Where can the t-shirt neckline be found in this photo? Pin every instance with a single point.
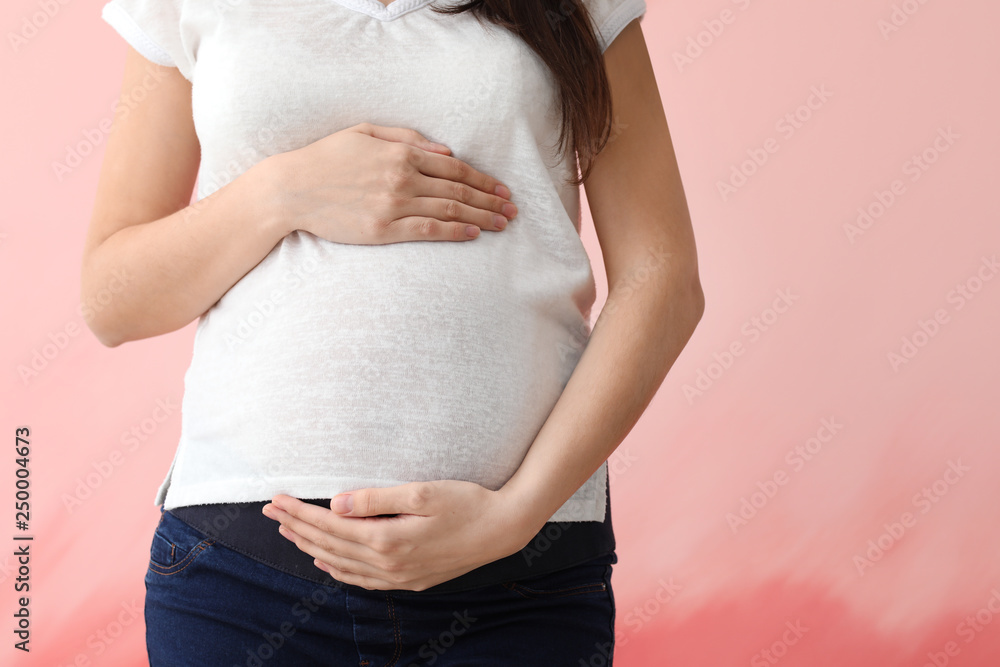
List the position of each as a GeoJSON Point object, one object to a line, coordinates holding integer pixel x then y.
{"type": "Point", "coordinates": [377, 10]}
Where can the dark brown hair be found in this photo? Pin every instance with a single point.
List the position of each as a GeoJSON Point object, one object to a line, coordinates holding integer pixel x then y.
{"type": "Point", "coordinates": [561, 33]}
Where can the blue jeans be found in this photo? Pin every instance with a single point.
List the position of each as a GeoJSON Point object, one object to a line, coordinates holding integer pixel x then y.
{"type": "Point", "coordinates": [209, 605]}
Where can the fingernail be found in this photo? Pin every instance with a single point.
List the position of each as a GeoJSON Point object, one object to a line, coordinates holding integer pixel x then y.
{"type": "Point", "coordinates": [499, 221]}
{"type": "Point", "coordinates": [471, 230]}
{"type": "Point", "coordinates": [268, 511]}
{"type": "Point", "coordinates": [509, 210]}
{"type": "Point", "coordinates": [502, 191]}
{"type": "Point", "coordinates": [343, 504]}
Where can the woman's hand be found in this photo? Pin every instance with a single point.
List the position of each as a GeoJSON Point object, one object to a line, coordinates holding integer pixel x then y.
{"type": "Point", "coordinates": [440, 530]}
{"type": "Point", "coordinates": [371, 184]}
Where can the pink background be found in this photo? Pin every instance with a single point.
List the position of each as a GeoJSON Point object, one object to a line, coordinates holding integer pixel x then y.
{"type": "Point", "coordinates": [690, 588]}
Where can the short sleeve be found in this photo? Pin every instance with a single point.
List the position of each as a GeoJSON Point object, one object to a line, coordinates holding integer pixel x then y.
{"type": "Point", "coordinates": [611, 16]}
{"type": "Point", "coordinates": [153, 28]}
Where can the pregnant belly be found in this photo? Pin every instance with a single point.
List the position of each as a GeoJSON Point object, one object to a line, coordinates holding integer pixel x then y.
{"type": "Point", "coordinates": [433, 359]}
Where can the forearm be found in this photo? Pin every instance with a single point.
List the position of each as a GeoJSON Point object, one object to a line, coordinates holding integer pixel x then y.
{"type": "Point", "coordinates": [156, 277]}
{"type": "Point", "coordinates": [634, 342]}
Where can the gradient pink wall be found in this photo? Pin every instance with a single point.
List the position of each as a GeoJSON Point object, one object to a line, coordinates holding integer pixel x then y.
{"type": "Point", "coordinates": [695, 584]}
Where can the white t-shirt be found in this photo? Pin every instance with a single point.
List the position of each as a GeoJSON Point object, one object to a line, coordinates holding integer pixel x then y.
{"type": "Point", "coordinates": [331, 367]}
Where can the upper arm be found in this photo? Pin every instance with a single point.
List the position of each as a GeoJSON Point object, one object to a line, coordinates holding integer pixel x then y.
{"type": "Point", "coordinates": [152, 155]}
{"type": "Point", "coordinates": [634, 189]}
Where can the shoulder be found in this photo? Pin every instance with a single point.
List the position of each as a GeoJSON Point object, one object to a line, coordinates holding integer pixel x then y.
{"type": "Point", "coordinates": [154, 28]}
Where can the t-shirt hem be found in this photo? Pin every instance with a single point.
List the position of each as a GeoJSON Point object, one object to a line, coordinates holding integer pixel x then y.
{"type": "Point", "coordinates": [251, 490]}
{"type": "Point", "coordinates": [586, 509]}
{"type": "Point", "coordinates": [119, 19]}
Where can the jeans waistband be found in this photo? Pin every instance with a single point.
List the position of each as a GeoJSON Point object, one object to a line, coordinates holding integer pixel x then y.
{"type": "Point", "coordinates": [242, 527]}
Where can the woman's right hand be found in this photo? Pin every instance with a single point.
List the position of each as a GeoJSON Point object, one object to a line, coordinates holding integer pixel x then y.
{"type": "Point", "coordinates": [371, 184]}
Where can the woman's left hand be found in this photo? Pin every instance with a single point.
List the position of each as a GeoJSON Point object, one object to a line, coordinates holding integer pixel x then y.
{"type": "Point", "coordinates": [440, 530]}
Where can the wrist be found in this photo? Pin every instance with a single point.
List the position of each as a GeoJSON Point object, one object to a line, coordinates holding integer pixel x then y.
{"type": "Point", "coordinates": [267, 183]}
{"type": "Point", "coordinates": [521, 518]}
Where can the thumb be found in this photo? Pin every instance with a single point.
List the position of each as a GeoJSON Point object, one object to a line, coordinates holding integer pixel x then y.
{"type": "Point", "coordinates": [403, 499]}
{"type": "Point", "coordinates": [343, 503]}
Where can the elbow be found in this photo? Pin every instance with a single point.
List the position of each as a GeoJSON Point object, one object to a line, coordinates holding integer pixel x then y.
{"type": "Point", "coordinates": [106, 334]}
{"type": "Point", "coordinates": [697, 299]}
{"type": "Point", "coordinates": [689, 303]}
{"type": "Point", "coordinates": [97, 306]}
{"type": "Point", "coordinates": [108, 339]}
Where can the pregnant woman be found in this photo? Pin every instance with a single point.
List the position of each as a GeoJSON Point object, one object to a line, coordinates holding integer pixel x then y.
{"type": "Point", "coordinates": [397, 416]}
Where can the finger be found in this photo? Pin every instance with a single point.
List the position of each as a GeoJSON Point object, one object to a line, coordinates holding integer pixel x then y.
{"type": "Point", "coordinates": [411, 498]}
{"type": "Point", "coordinates": [419, 228]}
{"type": "Point", "coordinates": [402, 135]}
{"type": "Point", "coordinates": [451, 170]}
{"type": "Point", "coordinates": [450, 200]}
{"type": "Point", "coordinates": [371, 583]}
{"type": "Point", "coordinates": [331, 543]}
{"type": "Point", "coordinates": [342, 535]}
{"type": "Point", "coordinates": [451, 210]}
{"type": "Point", "coordinates": [334, 561]}
{"type": "Point", "coordinates": [342, 531]}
